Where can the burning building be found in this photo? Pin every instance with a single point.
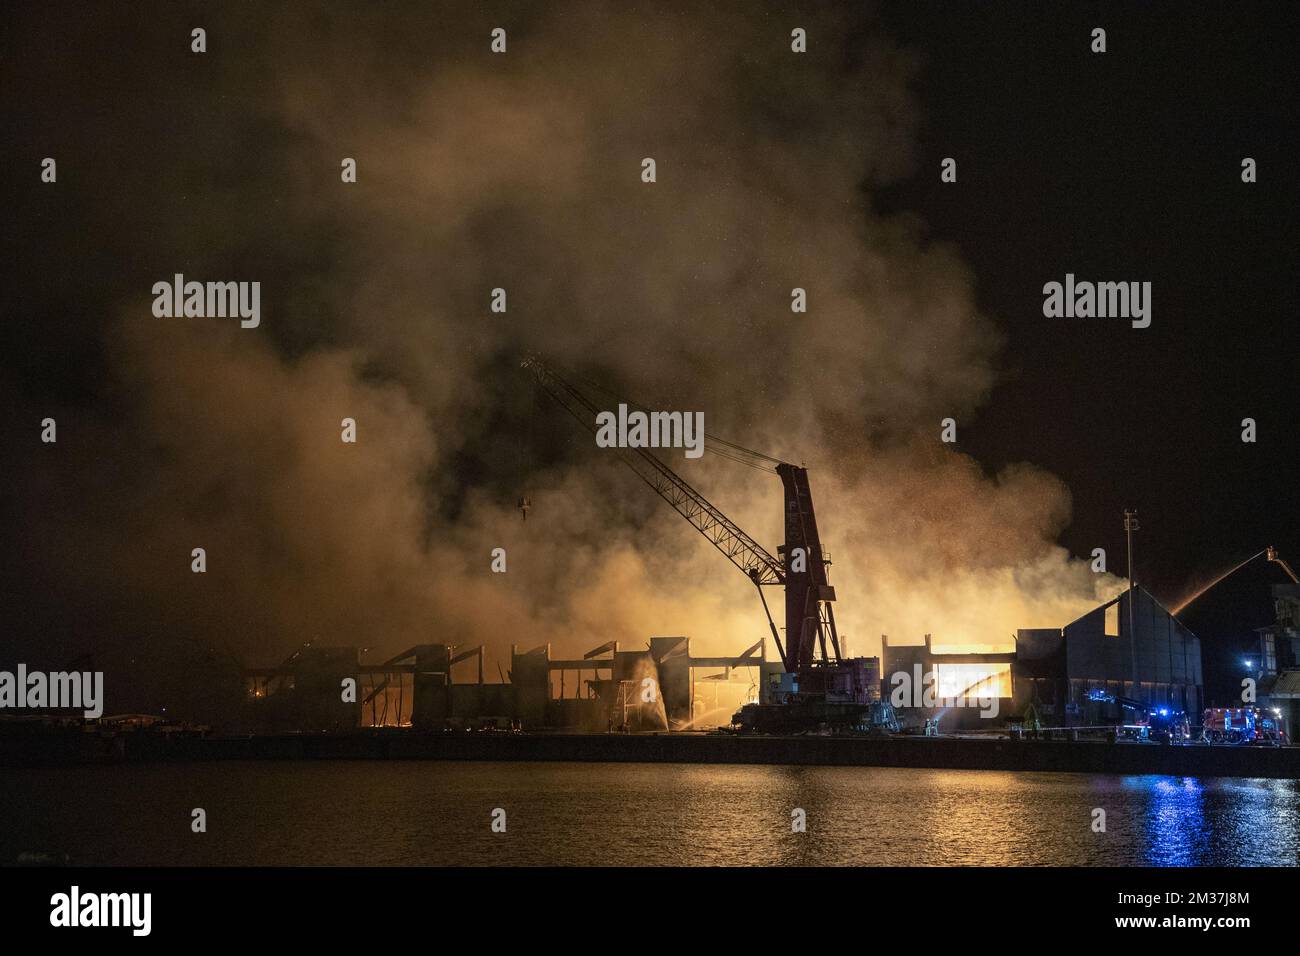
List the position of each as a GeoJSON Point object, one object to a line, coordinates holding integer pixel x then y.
{"type": "Point", "coordinates": [1082, 674]}
{"type": "Point", "coordinates": [654, 689]}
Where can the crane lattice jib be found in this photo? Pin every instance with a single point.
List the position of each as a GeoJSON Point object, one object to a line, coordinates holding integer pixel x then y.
{"type": "Point", "coordinates": [738, 547]}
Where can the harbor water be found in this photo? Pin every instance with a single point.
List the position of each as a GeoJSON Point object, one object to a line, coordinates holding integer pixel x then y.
{"type": "Point", "coordinates": [443, 813]}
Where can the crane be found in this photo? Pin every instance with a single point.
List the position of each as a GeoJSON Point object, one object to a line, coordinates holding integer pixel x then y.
{"type": "Point", "coordinates": [811, 651]}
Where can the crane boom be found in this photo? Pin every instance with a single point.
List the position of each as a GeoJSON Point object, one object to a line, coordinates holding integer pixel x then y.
{"type": "Point", "coordinates": [725, 535]}
{"type": "Point", "coordinates": [1277, 559]}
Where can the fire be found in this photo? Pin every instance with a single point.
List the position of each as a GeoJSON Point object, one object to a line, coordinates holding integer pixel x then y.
{"type": "Point", "coordinates": [973, 680]}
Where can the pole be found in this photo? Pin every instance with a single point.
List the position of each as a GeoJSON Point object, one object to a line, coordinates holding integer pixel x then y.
{"type": "Point", "coordinates": [1131, 525]}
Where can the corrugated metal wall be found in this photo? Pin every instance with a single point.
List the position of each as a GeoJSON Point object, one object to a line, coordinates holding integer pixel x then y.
{"type": "Point", "coordinates": [1166, 652]}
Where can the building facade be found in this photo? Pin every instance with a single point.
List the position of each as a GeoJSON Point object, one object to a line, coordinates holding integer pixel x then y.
{"type": "Point", "coordinates": [1277, 669]}
{"type": "Point", "coordinates": [1081, 674]}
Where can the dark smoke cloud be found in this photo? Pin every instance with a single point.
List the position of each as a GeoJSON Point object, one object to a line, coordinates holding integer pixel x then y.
{"type": "Point", "coordinates": [519, 171]}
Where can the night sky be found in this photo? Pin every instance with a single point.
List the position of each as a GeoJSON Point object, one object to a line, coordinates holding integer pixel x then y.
{"type": "Point", "coordinates": [1123, 167]}
{"type": "Point", "coordinates": [1129, 164]}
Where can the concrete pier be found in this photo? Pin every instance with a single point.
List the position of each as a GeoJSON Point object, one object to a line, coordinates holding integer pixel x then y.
{"type": "Point", "coordinates": [934, 752]}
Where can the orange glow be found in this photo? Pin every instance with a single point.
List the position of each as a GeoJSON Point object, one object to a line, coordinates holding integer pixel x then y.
{"type": "Point", "coordinates": [973, 680]}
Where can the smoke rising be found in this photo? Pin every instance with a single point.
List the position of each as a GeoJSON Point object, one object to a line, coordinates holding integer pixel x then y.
{"type": "Point", "coordinates": [521, 171]}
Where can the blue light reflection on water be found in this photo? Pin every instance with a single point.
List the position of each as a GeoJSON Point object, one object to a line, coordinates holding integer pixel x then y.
{"type": "Point", "coordinates": [1175, 819]}
{"type": "Point", "coordinates": [1192, 822]}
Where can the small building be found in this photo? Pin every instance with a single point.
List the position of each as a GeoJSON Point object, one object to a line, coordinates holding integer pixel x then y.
{"type": "Point", "coordinates": [1277, 670]}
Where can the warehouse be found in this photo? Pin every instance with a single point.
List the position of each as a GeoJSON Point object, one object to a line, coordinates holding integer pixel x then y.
{"type": "Point", "coordinates": [655, 688]}
{"type": "Point", "coordinates": [1075, 675]}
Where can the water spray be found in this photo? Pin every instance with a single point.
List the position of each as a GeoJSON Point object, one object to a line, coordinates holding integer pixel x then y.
{"type": "Point", "coordinates": [1230, 571]}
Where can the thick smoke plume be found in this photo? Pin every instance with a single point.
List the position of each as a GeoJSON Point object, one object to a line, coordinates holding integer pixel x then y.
{"type": "Point", "coordinates": [522, 171]}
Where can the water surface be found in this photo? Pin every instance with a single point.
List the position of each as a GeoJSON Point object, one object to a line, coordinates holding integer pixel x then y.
{"type": "Point", "coordinates": [426, 812]}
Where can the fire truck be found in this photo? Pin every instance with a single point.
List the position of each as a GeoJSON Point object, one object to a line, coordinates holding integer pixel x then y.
{"type": "Point", "coordinates": [1167, 725]}
{"type": "Point", "coordinates": [1243, 725]}
{"type": "Point", "coordinates": [1131, 719]}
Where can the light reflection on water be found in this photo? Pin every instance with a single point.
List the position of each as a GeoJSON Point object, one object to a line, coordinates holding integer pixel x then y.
{"type": "Point", "coordinates": [341, 813]}
{"type": "Point", "coordinates": [1175, 819]}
